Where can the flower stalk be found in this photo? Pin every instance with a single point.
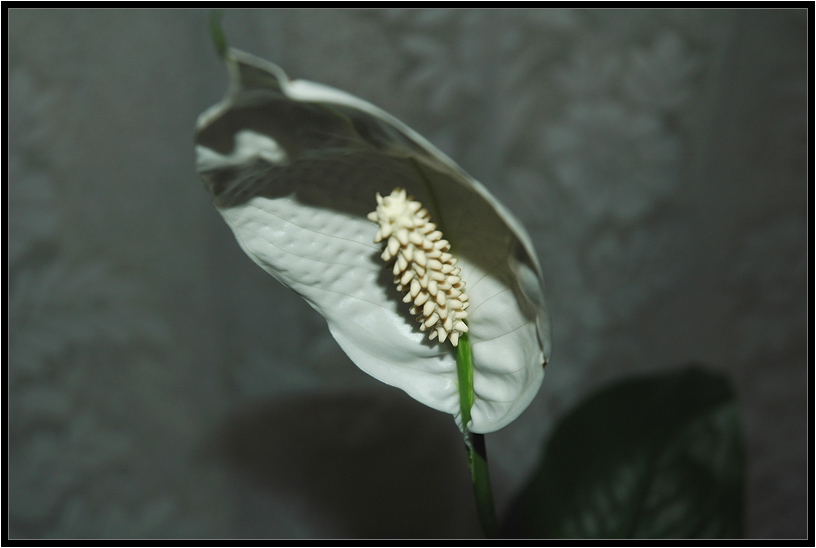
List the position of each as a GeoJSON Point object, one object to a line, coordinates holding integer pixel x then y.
{"type": "Point", "coordinates": [405, 226]}
{"type": "Point", "coordinates": [475, 443]}
{"type": "Point", "coordinates": [217, 33]}
{"type": "Point", "coordinates": [427, 274]}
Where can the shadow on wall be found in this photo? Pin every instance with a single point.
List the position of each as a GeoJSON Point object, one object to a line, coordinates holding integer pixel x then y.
{"type": "Point", "coordinates": [370, 466]}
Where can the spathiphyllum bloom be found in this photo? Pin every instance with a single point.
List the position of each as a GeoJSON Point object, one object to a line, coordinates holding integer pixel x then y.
{"type": "Point", "coordinates": [377, 229]}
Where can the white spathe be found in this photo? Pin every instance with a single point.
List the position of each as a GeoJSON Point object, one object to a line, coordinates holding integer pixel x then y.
{"type": "Point", "coordinates": [294, 168]}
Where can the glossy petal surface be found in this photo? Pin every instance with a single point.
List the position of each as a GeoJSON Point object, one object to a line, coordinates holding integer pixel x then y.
{"type": "Point", "coordinates": [294, 167]}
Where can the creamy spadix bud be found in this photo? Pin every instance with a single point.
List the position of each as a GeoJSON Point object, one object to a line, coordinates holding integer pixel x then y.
{"type": "Point", "coordinates": [423, 269]}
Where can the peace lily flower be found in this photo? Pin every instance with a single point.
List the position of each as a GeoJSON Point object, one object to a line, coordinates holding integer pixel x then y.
{"type": "Point", "coordinates": [295, 168]}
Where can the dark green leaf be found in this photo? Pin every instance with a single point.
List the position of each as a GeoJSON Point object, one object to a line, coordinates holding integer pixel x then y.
{"type": "Point", "coordinates": [655, 457]}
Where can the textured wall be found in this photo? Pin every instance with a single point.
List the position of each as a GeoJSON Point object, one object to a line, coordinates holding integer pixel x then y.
{"type": "Point", "coordinates": [163, 385]}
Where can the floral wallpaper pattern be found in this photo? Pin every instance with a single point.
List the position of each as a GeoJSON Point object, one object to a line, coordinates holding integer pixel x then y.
{"type": "Point", "coordinates": [161, 385]}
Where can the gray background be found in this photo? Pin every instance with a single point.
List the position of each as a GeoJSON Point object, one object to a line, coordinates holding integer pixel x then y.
{"type": "Point", "coordinates": [163, 385]}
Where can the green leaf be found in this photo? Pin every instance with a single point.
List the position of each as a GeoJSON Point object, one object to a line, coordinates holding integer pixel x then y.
{"type": "Point", "coordinates": [654, 457]}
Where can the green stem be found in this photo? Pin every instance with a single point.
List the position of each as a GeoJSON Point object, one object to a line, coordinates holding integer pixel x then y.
{"type": "Point", "coordinates": [475, 443]}
{"type": "Point", "coordinates": [217, 33]}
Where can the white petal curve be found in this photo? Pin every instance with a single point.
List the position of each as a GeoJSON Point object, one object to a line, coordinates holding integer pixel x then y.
{"type": "Point", "coordinates": [294, 168]}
